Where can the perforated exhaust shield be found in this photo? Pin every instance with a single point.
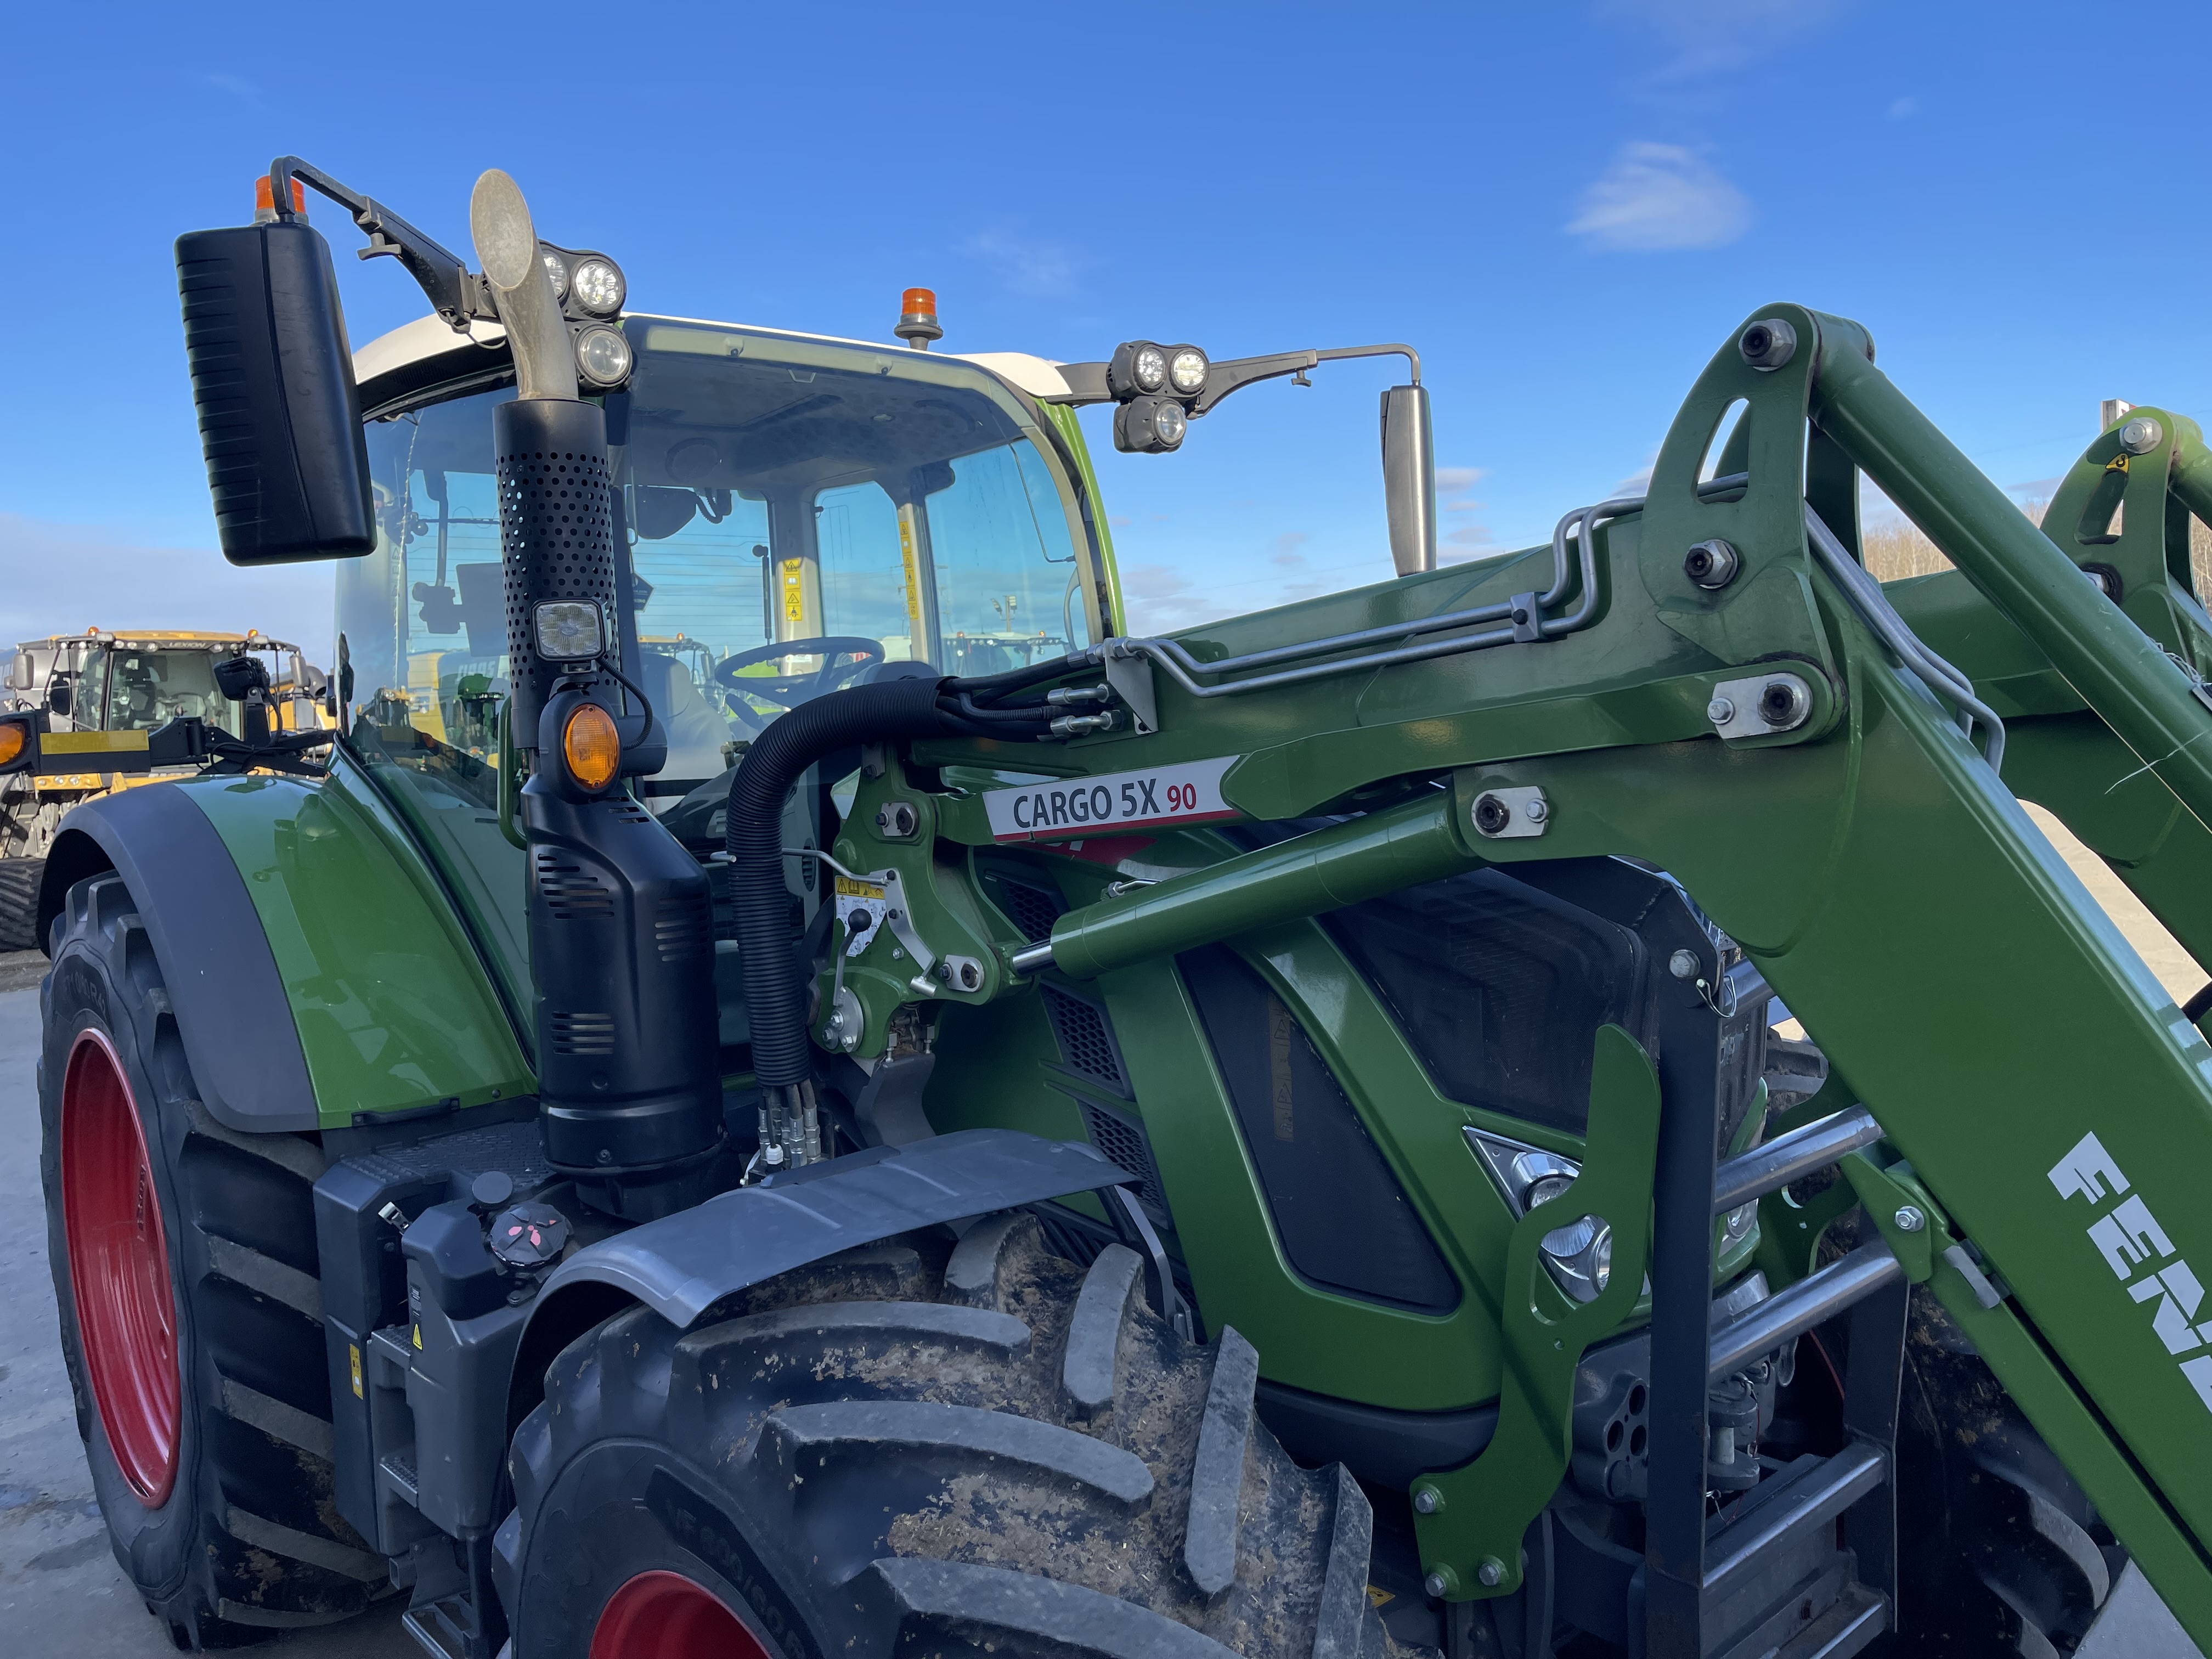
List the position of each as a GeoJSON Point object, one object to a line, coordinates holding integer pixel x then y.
{"type": "Point", "coordinates": [556, 532]}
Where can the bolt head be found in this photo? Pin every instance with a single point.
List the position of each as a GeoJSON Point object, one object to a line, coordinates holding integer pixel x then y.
{"type": "Point", "coordinates": [1536, 812]}
{"type": "Point", "coordinates": [1683, 964]}
{"type": "Point", "coordinates": [1492, 1572]}
{"type": "Point", "coordinates": [1910, 1218]}
{"type": "Point", "coordinates": [1492, 815]}
{"type": "Point", "coordinates": [1437, 1585]}
{"type": "Point", "coordinates": [2141, 435]}
{"type": "Point", "coordinates": [1720, 711]}
{"type": "Point", "coordinates": [1426, 1501]}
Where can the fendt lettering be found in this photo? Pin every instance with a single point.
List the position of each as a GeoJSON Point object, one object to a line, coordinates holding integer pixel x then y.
{"type": "Point", "coordinates": [784, 1083]}
{"type": "Point", "coordinates": [2130, 1238]}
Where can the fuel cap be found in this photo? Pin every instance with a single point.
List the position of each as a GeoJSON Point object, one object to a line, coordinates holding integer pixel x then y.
{"type": "Point", "coordinates": [529, 1235]}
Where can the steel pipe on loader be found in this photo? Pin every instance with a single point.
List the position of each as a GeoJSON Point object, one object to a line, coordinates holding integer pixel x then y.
{"type": "Point", "coordinates": [1361, 858]}
{"type": "Point", "coordinates": [2111, 663]}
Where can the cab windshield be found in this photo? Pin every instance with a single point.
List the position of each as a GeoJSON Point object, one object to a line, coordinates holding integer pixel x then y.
{"type": "Point", "coordinates": [796, 516]}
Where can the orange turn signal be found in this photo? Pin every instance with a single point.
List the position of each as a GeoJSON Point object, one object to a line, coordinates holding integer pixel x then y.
{"type": "Point", "coordinates": [591, 745]}
{"type": "Point", "coordinates": [15, 740]}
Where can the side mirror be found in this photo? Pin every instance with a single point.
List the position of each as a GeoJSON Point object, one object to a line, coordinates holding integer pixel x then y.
{"type": "Point", "coordinates": [58, 696]}
{"type": "Point", "coordinates": [22, 671]}
{"type": "Point", "coordinates": [1409, 478]}
{"type": "Point", "coordinates": [280, 415]}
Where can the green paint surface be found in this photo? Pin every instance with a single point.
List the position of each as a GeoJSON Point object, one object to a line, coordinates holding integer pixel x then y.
{"type": "Point", "coordinates": [392, 1005]}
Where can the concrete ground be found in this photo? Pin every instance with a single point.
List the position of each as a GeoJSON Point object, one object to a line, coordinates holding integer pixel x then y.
{"type": "Point", "coordinates": [61, 1596]}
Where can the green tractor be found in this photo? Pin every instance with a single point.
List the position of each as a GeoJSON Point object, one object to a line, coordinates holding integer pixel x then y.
{"type": "Point", "coordinates": [932, 1126]}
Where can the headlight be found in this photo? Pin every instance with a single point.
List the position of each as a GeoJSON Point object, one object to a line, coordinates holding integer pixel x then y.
{"type": "Point", "coordinates": [599, 287]}
{"type": "Point", "coordinates": [1187, 368]}
{"type": "Point", "coordinates": [557, 269]}
{"type": "Point", "coordinates": [570, 630]}
{"type": "Point", "coordinates": [603, 355]}
{"type": "Point", "coordinates": [1149, 426]}
{"type": "Point", "coordinates": [16, 749]}
{"type": "Point", "coordinates": [1149, 368]}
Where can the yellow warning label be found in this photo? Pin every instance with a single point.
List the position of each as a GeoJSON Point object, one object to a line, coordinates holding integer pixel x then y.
{"type": "Point", "coordinates": [848, 888]}
{"type": "Point", "coordinates": [913, 572]}
{"type": "Point", "coordinates": [1376, 1595]}
{"type": "Point", "coordinates": [92, 742]}
{"type": "Point", "coordinates": [353, 1353]}
{"type": "Point", "coordinates": [418, 1337]}
{"type": "Point", "coordinates": [2118, 462]}
{"type": "Point", "coordinates": [794, 593]}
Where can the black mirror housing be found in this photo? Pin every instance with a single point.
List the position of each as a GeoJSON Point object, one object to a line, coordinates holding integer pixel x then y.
{"type": "Point", "coordinates": [272, 379]}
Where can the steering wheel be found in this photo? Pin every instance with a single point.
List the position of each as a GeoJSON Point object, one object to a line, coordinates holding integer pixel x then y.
{"type": "Point", "coordinates": [789, 690]}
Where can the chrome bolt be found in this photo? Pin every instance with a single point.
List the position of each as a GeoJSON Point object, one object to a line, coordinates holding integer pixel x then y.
{"type": "Point", "coordinates": [1426, 1501]}
{"type": "Point", "coordinates": [1492, 1572]}
{"type": "Point", "coordinates": [1437, 1585]}
{"type": "Point", "coordinates": [1768, 344]}
{"type": "Point", "coordinates": [1720, 711]}
{"type": "Point", "coordinates": [1683, 964]}
{"type": "Point", "coordinates": [1535, 811]}
{"type": "Point", "coordinates": [2141, 435]}
{"type": "Point", "coordinates": [1909, 1219]}
{"type": "Point", "coordinates": [1712, 564]}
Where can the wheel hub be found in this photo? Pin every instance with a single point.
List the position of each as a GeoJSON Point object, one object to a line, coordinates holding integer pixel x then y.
{"type": "Point", "coordinates": [120, 1269]}
{"type": "Point", "coordinates": [665, 1615]}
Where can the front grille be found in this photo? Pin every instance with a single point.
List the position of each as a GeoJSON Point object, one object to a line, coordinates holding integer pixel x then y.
{"type": "Point", "coordinates": [1086, 1044]}
{"type": "Point", "coordinates": [1124, 1142]}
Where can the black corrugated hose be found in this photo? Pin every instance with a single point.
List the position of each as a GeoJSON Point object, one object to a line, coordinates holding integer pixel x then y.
{"type": "Point", "coordinates": [889, 711]}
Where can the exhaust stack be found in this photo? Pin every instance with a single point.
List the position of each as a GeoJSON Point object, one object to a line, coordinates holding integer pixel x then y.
{"type": "Point", "coordinates": [621, 923]}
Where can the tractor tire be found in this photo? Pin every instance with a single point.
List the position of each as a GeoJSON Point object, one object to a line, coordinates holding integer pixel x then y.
{"type": "Point", "coordinates": [896, 1451]}
{"type": "Point", "coordinates": [19, 902]}
{"type": "Point", "coordinates": [2002, 1552]}
{"type": "Point", "coordinates": [184, 1265]}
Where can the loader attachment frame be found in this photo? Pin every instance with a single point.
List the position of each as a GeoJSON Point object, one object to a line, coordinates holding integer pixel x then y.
{"type": "Point", "coordinates": [2042, 1125]}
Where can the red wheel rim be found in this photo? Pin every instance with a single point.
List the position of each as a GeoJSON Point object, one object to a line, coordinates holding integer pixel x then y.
{"type": "Point", "coordinates": [120, 1269]}
{"type": "Point", "coordinates": [665, 1615]}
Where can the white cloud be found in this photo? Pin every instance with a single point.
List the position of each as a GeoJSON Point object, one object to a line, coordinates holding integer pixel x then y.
{"type": "Point", "coordinates": [1470, 505]}
{"type": "Point", "coordinates": [1286, 548]}
{"type": "Point", "coordinates": [1161, 598]}
{"type": "Point", "coordinates": [1710, 37]}
{"type": "Point", "coordinates": [1450, 480]}
{"type": "Point", "coordinates": [1658, 197]}
{"type": "Point", "coordinates": [67, 578]}
{"type": "Point", "coordinates": [1028, 265]}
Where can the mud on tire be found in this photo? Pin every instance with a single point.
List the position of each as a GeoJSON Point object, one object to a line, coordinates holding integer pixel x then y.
{"type": "Point", "coordinates": [934, 1450]}
{"type": "Point", "coordinates": [247, 1542]}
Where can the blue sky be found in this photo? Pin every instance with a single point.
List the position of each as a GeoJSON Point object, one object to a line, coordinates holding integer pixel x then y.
{"type": "Point", "coordinates": [1566, 207]}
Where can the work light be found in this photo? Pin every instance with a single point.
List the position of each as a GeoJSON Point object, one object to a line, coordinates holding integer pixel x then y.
{"type": "Point", "coordinates": [603, 357]}
{"type": "Point", "coordinates": [599, 286]}
{"type": "Point", "coordinates": [1187, 370]}
{"type": "Point", "coordinates": [570, 630]}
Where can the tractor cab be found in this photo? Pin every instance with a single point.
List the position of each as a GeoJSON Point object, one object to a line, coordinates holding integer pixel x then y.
{"type": "Point", "coordinates": [792, 514]}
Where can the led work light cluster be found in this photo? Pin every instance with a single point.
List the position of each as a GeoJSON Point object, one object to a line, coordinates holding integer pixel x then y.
{"type": "Point", "coordinates": [592, 288]}
{"type": "Point", "coordinates": [1157, 387]}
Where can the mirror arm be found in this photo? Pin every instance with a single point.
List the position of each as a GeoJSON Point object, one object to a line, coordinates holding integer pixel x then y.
{"type": "Point", "coordinates": [454, 294]}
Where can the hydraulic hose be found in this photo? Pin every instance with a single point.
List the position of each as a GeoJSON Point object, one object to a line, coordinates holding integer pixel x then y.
{"type": "Point", "coordinates": [775, 1001]}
